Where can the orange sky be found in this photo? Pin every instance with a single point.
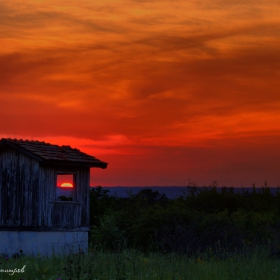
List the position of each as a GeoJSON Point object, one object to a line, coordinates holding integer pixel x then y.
{"type": "Point", "coordinates": [164, 91]}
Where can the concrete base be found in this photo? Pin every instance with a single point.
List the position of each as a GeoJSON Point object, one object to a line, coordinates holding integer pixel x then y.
{"type": "Point", "coordinates": [43, 243]}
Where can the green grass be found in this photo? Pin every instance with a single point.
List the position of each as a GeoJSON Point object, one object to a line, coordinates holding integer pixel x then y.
{"type": "Point", "coordinates": [132, 265]}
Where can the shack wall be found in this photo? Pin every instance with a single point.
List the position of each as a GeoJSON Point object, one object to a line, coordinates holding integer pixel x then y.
{"type": "Point", "coordinates": [28, 195]}
{"type": "Point", "coordinates": [19, 179]}
{"type": "Point", "coordinates": [64, 214]}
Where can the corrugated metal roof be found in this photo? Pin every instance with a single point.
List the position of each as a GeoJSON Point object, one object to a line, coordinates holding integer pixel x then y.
{"type": "Point", "coordinates": [53, 153]}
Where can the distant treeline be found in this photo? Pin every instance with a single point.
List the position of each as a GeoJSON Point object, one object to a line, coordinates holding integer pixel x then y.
{"type": "Point", "coordinates": [202, 220]}
{"type": "Point", "coordinates": [174, 192]}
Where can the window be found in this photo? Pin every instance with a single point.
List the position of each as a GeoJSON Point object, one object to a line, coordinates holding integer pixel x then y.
{"type": "Point", "coordinates": [65, 187]}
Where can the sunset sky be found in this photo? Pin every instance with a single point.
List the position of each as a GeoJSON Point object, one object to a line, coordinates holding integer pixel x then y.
{"type": "Point", "coordinates": [165, 91]}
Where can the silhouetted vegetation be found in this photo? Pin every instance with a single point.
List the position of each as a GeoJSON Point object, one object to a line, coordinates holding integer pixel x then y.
{"type": "Point", "coordinates": [64, 198]}
{"type": "Point", "coordinates": [209, 220]}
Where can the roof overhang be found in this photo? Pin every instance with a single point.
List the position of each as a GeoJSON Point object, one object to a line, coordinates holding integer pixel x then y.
{"type": "Point", "coordinates": [100, 164]}
{"type": "Point", "coordinates": [89, 161]}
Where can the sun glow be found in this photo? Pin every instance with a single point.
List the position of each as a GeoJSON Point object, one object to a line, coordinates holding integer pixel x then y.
{"type": "Point", "coordinates": [66, 185]}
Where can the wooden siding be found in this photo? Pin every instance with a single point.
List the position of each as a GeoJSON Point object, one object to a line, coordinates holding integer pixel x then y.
{"type": "Point", "coordinates": [19, 189]}
{"type": "Point", "coordinates": [59, 214]}
{"type": "Point", "coordinates": [28, 195]}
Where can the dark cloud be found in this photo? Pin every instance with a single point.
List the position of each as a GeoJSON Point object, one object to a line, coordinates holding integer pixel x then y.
{"type": "Point", "coordinates": [22, 23]}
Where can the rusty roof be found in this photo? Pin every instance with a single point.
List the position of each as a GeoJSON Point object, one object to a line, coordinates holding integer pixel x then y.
{"type": "Point", "coordinates": [52, 153]}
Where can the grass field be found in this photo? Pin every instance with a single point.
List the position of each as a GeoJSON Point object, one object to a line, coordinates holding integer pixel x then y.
{"type": "Point", "coordinates": [132, 265]}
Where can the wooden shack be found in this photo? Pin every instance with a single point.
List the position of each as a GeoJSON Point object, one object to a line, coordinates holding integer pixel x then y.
{"type": "Point", "coordinates": [33, 217]}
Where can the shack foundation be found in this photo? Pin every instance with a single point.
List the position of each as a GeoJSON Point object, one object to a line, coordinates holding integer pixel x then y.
{"type": "Point", "coordinates": [43, 243]}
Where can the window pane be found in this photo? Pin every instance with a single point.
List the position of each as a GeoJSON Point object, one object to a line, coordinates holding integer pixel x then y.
{"type": "Point", "coordinates": [64, 187]}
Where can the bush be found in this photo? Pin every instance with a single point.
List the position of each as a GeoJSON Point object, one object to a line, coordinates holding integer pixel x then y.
{"type": "Point", "coordinates": [107, 235]}
{"type": "Point", "coordinates": [204, 220]}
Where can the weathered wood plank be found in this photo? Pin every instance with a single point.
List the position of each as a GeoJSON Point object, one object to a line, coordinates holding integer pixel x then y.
{"type": "Point", "coordinates": [19, 189]}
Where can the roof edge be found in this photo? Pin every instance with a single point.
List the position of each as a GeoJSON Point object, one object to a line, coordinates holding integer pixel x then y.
{"type": "Point", "coordinates": [94, 163]}
{"type": "Point", "coordinates": [99, 164]}
{"type": "Point", "coordinates": [5, 141]}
